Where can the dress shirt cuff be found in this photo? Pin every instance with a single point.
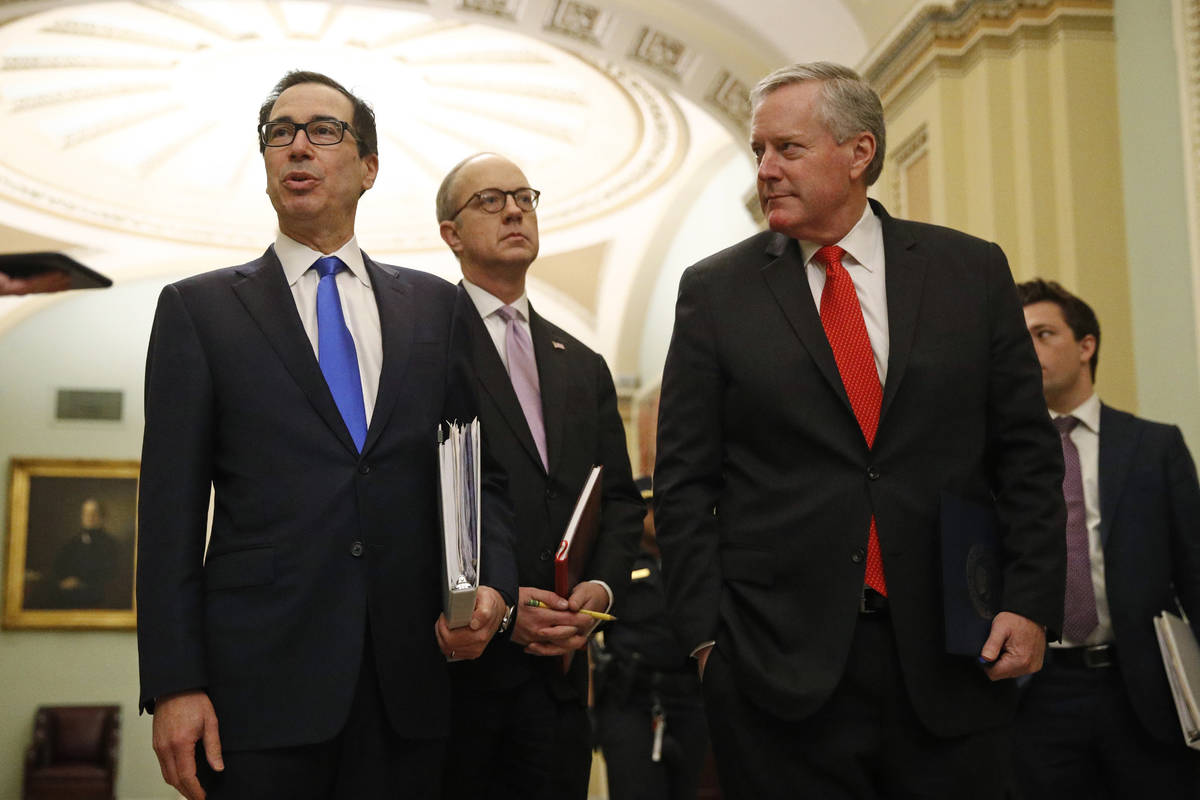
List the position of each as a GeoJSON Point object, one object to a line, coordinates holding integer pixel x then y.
{"type": "Point", "coordinates": [696, 650]}
{"type": "Point", "coordinates": [608, 591]}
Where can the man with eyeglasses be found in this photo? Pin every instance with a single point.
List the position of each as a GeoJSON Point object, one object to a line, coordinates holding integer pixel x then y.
{"type": "Point", "coordinates": [549, 413]}
{"type": "Point", "coordinates": [299, 656]}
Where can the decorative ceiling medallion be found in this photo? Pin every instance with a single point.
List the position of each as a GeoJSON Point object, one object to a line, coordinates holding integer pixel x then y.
{"type": "Point", "coordinates": [578, 20]}
{"type": "Point", "coordinates": [507, 9]}
{"type": "Point", "coordinates": [732, 98]}
{"type": "Point", "coordinates": [140, 116]}
{"type": "Point", "coordinates": [669, 56]}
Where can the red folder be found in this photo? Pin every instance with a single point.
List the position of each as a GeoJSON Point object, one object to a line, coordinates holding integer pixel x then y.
{"type": "Point", "coordinates": [576, 546]}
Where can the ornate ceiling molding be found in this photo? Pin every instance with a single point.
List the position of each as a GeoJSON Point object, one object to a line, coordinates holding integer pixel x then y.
{"type": "Point", "coordinates": [949, 34]}
{"type": "Point", "coordinates": [138, 116]}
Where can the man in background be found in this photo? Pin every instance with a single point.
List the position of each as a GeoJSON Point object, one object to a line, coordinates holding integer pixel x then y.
{"type": "Point", "coordinates": [306, 389]}
{"type": "Point", "coordinates": [1098, 720]}
{"type": "Point", "coordinates": [549, 414]}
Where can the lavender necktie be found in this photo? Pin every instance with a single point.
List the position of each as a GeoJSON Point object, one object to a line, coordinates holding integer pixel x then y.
{"type": "Point", "coordinates": [522, 371]}
{"type": "Point", "coordinates": [1079, 617]}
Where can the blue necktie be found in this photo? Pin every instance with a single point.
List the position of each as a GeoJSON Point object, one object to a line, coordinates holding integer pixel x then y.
{"type": "Point", "coordinates": [335, 349]}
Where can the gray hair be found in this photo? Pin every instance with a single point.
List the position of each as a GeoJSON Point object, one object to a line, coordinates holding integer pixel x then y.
{"type": "Point", "coordinates": [848, 103]}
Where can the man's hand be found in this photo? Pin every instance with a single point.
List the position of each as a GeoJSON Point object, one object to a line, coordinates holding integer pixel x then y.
{"type": "Point", "coordinates": [702, 660]}
{"type": "Point", "coordinates": [180, 720]}
{"type": "Point", "coordinates": [1016, 646]}
{"type": "Point", "coordinates": [557, 630]}
{"type": "Point", "coordinates": [469, 641]}
{"type": "Point", "coordinates": [53, 281]}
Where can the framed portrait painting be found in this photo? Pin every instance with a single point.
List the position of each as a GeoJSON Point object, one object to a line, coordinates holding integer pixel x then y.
{"type": "Point", "coordinates": [71, 544]}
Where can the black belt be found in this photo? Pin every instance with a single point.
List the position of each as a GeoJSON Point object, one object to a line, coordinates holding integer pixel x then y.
{"type": "Point", "coordinates": [1098, 656]}
{"type": "Point", "coordinates": [872, 603]}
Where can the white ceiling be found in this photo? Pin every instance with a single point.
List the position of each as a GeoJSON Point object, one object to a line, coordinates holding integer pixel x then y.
{"type": "Point", "coordinates": [128, 127]}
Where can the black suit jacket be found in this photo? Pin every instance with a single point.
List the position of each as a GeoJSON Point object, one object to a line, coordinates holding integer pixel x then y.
{"type": "Point", "coordinates": [1149, 515]}
{"type": "Point", "coordinates": [311, 541]}
{"type": "Point", "coordinates": [764, 485]}
{"type": "Point", "coordinates": [583, 429]}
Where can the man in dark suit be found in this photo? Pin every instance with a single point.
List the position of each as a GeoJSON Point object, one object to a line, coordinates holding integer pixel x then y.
{"type": "Point", "coordinates": [549, 414]}
{"type": "Point", "coordinates": [827, 381]}
{"type": "Point", "coordinates": [1098, 720]}
{"type": "Point", "coordinates": [308, 400]}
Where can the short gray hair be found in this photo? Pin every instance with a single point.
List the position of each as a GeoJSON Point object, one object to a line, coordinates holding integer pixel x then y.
{"type": "Point", "coordinates": [848, 103]}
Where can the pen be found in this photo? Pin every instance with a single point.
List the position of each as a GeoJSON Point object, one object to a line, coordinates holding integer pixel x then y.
{"type": "Point", "coordinates": [588, 611]}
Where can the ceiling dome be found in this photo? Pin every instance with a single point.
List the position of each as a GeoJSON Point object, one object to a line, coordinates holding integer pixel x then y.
{"type": "Point", "coordinates": [140, 116]}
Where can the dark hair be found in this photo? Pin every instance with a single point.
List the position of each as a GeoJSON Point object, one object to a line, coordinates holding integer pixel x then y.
{"type": "Point", "coordinates": [1079, 315]}
{"type": "Point", "coordinates": [362, 124]}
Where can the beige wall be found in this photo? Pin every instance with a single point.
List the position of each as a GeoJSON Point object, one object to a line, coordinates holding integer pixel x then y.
{"type": "Point", "coordinates": [1016, 127]}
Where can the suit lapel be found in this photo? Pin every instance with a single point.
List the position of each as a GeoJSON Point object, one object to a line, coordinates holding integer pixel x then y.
{"type": "Point", "coordinates": [489, 369]}
{"type": "Point", "coordinates": [785, 277]}
{"type": "Point", "coordinates": [552, 379]}
{"type": "Point", "coordinates": [905, 279]}
{"type": "Point", "coordinates": [394, 298]}
{"type": "Point", "coordinates": [1118, 440]}
{"type": "Point", "coordinates": [264, 292]}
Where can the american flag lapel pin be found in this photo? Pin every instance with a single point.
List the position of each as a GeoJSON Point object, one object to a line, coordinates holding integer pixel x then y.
{"type": "Point", "coordinates": [558, 345]}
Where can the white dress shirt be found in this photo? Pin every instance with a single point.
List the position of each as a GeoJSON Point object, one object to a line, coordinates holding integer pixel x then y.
{"type": "Point", "coordinates": [358, 305]}
{"type": "Point", "coordinates": [487, 304]}
{"type": "Point", "coordinates": [865, 263]}
{"type": "Point", "coordinates": [1086, 438]}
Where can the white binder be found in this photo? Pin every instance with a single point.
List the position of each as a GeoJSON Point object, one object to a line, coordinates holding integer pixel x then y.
{"type": "Point", "coordinates": [1181, 658]}
{"type": "Point", "coordinates": [459, 504]}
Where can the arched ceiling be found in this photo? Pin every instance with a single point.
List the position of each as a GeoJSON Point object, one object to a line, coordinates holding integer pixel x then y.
{"type": "Point", "coordinates": [128, 134]}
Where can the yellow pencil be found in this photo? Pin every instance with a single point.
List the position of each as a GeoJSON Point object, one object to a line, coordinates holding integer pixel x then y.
{"type": "Point", "coordinates": [588, 611]}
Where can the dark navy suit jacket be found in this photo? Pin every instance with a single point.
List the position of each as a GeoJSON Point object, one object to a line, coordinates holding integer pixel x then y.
{"type": "Point", "coordinates": [1150, 529]}
{"type": "Point", "coordinates": [312, 542]}
{"type": "Point", "coordinates": [583, 429]}
{"type": "Point", "coordinates": [765, 486]}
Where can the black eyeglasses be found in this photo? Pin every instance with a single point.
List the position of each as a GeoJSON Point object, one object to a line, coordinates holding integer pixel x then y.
{"type": "Point", "coordinates": [493, 201]}
{"type": "Point", "coordinates": [323, 132]}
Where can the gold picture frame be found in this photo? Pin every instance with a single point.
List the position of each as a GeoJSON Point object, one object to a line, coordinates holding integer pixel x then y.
{"type": "Point", "coordinates": [72, 544]}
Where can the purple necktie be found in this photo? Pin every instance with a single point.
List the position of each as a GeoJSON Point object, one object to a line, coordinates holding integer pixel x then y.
{"type": "Point", "coordinates": [522, 371]}
{"type": "Point", "coordinates": [1079, 617]}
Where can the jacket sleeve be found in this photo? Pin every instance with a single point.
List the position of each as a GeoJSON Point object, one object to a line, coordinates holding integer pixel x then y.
{"type": "Point", "coordinates": [687, 471]}
{"type": "Point", "coordinates": [1184, 493]}
{"type": "Point", "coordinates": [173, 497]}
{"type": "Point", "coordinates": [1024, 460]}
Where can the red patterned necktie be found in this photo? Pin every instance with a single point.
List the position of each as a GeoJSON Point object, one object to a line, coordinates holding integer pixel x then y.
{"type": "Point", "coordinates": [842, 318]}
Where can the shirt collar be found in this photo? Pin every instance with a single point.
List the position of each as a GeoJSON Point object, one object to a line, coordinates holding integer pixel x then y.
{"type": "Point", "coordinates": [297, 258]}
{"type": "Point", "coordinates": [1088, 413]}
{"type": "Point", "coordinates": [864, 242]}
{"type": "Point", "coordinates": [487, 303]}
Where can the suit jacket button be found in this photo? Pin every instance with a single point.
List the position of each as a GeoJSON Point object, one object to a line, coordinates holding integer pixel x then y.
{"type": "Point", "coordinates": [859, 555]}
{"type": "Point", "coordinates": [356, 549]}
{"type": "Point", "coordinates": [551, 494]}
{"type": "Point", "coordinates": [873, 473]}
{"type": "Point", "coordinates": [545, 555]}
{"type": "Point", "coordinates": [364, 468]}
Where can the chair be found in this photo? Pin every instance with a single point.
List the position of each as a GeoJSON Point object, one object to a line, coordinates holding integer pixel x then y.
{"type": "Point", "coordinates": [74, 753]}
